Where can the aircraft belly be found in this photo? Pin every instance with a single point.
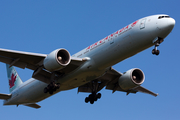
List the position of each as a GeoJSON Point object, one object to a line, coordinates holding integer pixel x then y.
{"type": "Point", "coordinates": [79, 77]}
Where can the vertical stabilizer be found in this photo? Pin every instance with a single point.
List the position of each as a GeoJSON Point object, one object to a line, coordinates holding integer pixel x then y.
{"type": "Point", "coordinates": [13, 78]}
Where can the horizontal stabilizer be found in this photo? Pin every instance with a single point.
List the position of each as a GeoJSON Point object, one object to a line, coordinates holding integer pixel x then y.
{"type": "Point", "coordinates": [33, 105]}
{"type": "Point", "coordinates": [5, 96]}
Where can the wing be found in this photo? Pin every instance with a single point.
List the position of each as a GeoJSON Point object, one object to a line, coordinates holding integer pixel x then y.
{"type": "Point", "coordinates": [109, 76]}
{"type": "Point", "coordinates": [110, 80]}
{"type": "Point", "coordinates": [34, 61]}
{"type": "Point", "coordinates": [21, 59]}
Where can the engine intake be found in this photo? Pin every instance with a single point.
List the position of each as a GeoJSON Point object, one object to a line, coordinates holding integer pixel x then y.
{"type": "Point", "coordinates": [57, 60]}
{"type": "Point", "coordinates": [131, 78]}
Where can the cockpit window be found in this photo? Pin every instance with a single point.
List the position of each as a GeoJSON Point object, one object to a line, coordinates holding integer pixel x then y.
{"type": "Point", "coordinates": [160, 17]}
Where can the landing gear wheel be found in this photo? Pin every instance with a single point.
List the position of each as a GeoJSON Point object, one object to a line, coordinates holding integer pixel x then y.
{"type": "Point", "coordinates": [45, 90]}
{"type": "Point", "coordinates": [86, 99]}
{"type": "Point", "coordinates": [155, 52]}
{"type": "Point", "coordinates": [95, 86]}
{"type": "Point", "coordinates": [92, 98]}
{"type": "Point", "coordinates": [99, 95]}
{"type": "Point", "coordinates": [52, 87]}
{"type": "Point", "coordinates": [95, 99]}
{"type": "Point", "coordinates": [92, 101]}
{"type": "Point", "coordinates": [58, 85]}
{"type": "Point", "coordinates": [51, 92]}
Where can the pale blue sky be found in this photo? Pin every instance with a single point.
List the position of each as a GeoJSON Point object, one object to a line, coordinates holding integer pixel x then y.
{"type": "Point", "coordinates": [43, 26]}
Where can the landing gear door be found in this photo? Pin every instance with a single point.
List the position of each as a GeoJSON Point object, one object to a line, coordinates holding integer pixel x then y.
{"type": "Point", "coordinates": [142, 24]}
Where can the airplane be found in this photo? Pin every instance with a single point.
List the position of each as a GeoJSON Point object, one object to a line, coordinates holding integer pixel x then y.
{"type": "Point", "coordinates": [90, 69]}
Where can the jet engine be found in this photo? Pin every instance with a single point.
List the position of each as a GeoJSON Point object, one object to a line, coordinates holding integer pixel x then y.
{"type": "Point", "coordinates": [132, 78]}
{"type": "Point", "coordinates": [57, 60]}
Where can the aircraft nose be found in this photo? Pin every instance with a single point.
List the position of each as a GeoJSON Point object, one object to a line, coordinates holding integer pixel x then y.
{"type": "Point", "coordinates": [171, 23]}
{"type": "Point", "coordinates": [165, 26]}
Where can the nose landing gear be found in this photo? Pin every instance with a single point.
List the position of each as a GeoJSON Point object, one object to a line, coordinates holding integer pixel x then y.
{"type": "Point", "coordinates": [155, 51]}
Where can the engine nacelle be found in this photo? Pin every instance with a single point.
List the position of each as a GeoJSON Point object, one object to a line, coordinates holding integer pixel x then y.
{"type": "Point", "coordinates": [131, 78]}
{"type": "Point", "coordinates": [57, 60]}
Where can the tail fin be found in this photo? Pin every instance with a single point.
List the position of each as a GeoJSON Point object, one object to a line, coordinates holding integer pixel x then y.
{"type": "Point", "coordinates": [13, 78]}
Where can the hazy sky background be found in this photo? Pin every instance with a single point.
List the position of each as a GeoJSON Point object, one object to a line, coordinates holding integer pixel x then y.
{"type": "Point", "coordinates": [41, 26]}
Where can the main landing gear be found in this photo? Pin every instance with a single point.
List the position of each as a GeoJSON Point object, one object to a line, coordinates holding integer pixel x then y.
{"type": "Point", "coordinates": [155, 51]}
{"type": "Point", "coordinates": [94, 96]}
{"type": "Point", "coordinates": [52, 87]}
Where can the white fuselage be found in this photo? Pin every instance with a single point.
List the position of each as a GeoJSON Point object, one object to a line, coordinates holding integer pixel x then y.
{"type": "Point", "coordinates": [103, 54]}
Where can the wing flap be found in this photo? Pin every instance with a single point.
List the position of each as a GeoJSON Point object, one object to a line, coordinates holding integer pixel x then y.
{"type": "Point", "coordinates": [44, 75]}
{"type": "Point", "coordinates": [110, 80]}
{"type": "Point", "coordinates": [144, 90]}
{"type": "Point", "coordinates": [9, 61]}
{"type": "Point", "coordinates": [21, 59]}
{"type": "Point", "coordinates": [34, 61]}
{"type": "Point", "coordinates": [110, 76]}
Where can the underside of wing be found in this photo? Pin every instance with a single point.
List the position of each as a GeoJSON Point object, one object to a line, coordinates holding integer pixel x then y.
{"type": "Point", "coordinates": [109, 76]}
{"type": "Point", "coordinates": [21, 59]}
{"type": "Point", "coordinates": [35, 62]}
{"type": "Point", "coordinates": [110, 80]}
{"type": "Point", "coordinates": [144, 90]}
{"type": "Point", "coordinates": [129, 82]}
{"type": "Point", "coordinates": [45, 75]}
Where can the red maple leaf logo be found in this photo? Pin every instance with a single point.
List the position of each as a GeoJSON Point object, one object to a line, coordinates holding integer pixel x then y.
{"type": "Point", "coordinates": [12, 80]}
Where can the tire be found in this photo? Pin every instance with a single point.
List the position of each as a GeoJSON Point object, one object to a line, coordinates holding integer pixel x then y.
{"type": "Point", "coordinates": [92, 101]}
{"type": "Point", "coordinates": [96, 98]}
{"type": "Point", "coordinates": [86, 99]}
{"type": "Point", "coordinates": [99, 95]}
{"type": "Point", "coordinates": [58, 85]}
{"type": "Point", "coordinates": [45, 90]}
{"type": "Point", "coordinates": [91, 96]}
{"type": "Point", "coordinates": [157, 52]}
{"type": "Point", "coordinates": [51, 92]}
{"type": "Point", "coordinates": [153, 51]}
{"type": "Point", "coordinates": [54, 89]}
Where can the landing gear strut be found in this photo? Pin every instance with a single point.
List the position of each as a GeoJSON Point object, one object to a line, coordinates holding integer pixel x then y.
{"type": "Point", "coordinates": [52, 87]}
{"type": "Point", "coordinates": [94, 96]}
{"type": "Point", "coordinates": [155, 51]}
